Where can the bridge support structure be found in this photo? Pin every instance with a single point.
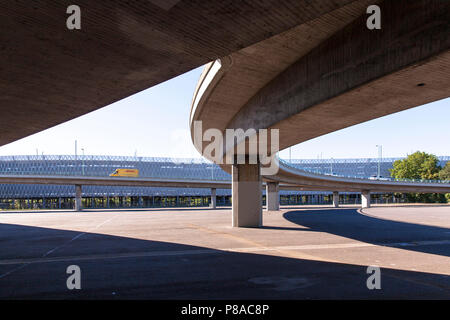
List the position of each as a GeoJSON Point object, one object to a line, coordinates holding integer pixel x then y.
{"type": "Point", "coordinates": [365, 199]}
{"type": "Point", "coordinates": [336, 199]}
{"type": "Point", "coordinates": [272, 196]}
{"type": "Point", "coordinates": [78, 198]}
{"type": "Point", "coordinates": [246, 195]}
{"type": "Point", "coordinates": [213, 203]}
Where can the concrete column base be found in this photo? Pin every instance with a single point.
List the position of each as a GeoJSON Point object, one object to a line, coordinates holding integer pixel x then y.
{"type": "Point", "coordinates": [247, 195]}
{"type": "Point", "coordinates": [365, 199]}
{"type": "Point", "coordinates": [336, 199]}
{"type": "Point", "coordinates": [272, 196]}
{"type": "Point", "coordinates": [78, 198]}
{"type": "Point", "coordinates": [213, 203]}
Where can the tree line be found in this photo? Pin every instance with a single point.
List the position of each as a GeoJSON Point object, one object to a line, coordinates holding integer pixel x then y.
{"type": "Point", "coordinates": [422, 166]}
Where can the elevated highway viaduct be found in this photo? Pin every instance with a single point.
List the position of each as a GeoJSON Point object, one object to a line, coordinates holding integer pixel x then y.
{"type": "Point", "coordinates": [304, 67]}
{"type": "Point", "coordinates": [340, 184]}
{"type": "Point", "coordinates": [318, 77]}
{"type": "Point", "coordinates": [79, 181]}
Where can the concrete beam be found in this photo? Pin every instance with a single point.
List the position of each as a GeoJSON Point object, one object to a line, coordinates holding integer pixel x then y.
{"type": "Point", "coordinates": [255, 66]}
{"type": "Point", "coordinates": [389, 70]}
{"type": "Point", "coordinates": [304, 181]}
{"type": "Point", "coordinates": [336, 199]}
{"type": "Point", "coordinates": [213, 198]}
{"type": "Point", "coordinates": [112, 181]}
{"type": "Point", "coordinates": [365, 199]}
{"type": "Point", "coordinates": [388, 64]}
{"type": "Point", "coordinates": [246, 195]}
{"type": "Point", "coordinates": [145, 44]}
{"type": "Point", "coordinates": [312, 181]}
{"type": "Point", "coordinates": [272, 196]}
{"type": "Point", "coordinates": [78, 206]}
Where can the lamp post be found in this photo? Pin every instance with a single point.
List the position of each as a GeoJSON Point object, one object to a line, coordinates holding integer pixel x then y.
{"type": "Point", "coordinates": [380, 155]}
{"type": "Point", "coordinates": [82, 162]}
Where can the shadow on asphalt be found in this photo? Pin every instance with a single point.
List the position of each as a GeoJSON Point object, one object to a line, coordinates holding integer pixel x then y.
{"type": "Point", "coordinates": [350, 223]}
{"type": "Point", "coordinates": [114, 267]}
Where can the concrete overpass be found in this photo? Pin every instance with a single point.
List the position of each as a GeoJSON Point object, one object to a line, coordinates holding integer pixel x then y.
{"type": "Point", "coordinates": [346, 184]}
{"type": "Point", "coordinates": [50, 74]}
{"type": "Point", "coordinates": [297, 61]}
{"type": "Point", "coordinates": [79, 181]}
{"type": "Point", "coordinates": [322, 76]}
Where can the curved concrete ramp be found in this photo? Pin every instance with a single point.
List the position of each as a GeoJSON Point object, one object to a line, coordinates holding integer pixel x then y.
{"type": "Point", "coordinates": [322, 76]}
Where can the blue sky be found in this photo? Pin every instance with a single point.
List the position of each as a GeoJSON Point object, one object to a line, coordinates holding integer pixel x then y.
{"type": "Point", "coordinates": [154, 122]}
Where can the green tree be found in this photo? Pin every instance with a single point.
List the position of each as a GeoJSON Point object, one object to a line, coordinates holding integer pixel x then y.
{"type": "Point", "coordinates": [444, 174]}
{"type": "Point", "coordinates": [419, 165]}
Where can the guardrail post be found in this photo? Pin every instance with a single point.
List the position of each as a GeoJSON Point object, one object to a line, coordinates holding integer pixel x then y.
{"type": "Point", "coordinates": [272, 196]}
{"type": "Point", "coordinates": [247, 195]}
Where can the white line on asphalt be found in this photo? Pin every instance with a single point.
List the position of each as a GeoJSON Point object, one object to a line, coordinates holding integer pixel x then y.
{"type": "Point", "coordinates": [26, 262]}
{"type": "Point", "coordinates": [77, 236]}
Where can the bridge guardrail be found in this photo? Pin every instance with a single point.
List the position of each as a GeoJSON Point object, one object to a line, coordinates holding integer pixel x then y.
{"type": "Point", "coordinates": [184, 168]}
{"type": "Point", "coordinates": [300, 170]}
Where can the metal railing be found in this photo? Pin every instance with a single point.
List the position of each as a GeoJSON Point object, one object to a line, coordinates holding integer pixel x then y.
{"type": "Point", "coordinates": [103, 166]}
{"type": "Point", "coordinates": [188, 168]}
{"type": "Point", "coordinates": [338, 168]}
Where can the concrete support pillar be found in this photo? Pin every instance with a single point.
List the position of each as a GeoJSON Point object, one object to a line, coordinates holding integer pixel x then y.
{"type": "Point", "coordinates": [365, 199]}
{"type": "Point", "coordinates": [272, 196]}
{"type": "Point", "coordinates": [213, 198]}
{"type": "Point", "coordinates": [247, 195]}
{"type": "Point", "coordinates": [336, 199]}
{"type": "Point", "coordinates": [78, 197]}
